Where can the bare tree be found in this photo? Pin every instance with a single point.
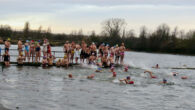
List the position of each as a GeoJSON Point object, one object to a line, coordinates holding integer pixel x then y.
{"type": "Point", "coordinates": [26, 30]}
{"type": "Point", "coordinates": [114, 27]}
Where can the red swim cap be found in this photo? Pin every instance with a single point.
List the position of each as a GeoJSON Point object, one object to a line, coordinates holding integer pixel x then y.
{"type": "Point", "coordinates": [184, 77]}
{"type": "Point", "coordinates": [131, 82]}
{"type": "Point", "coordinates": [153, 77]}
{"type": "Point", "coordinates": [70, 75]}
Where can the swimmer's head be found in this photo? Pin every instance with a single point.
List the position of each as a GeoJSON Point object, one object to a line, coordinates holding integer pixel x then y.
{"type": "Point", "coordinates": [44, 57]}
{"type": "Point", "coordinates": [27, 41]}
{"type": "Point", "coordinates": [128, 77]}
{"type": "Point", "coordinates": [70, 75]}
{"type": "Point", "coordinates": [114, 74]}
{"type": "Point", "coordinates": [91, 76]}
{"type": "Point", "coordinates": [164, 80]}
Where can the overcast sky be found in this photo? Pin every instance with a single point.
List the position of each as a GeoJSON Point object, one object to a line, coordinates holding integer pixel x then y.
{"type": "Point", "coordinates": [63, 16]}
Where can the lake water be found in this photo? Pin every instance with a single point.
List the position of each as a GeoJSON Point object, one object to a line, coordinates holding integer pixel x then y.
{"type": "Point", "coordinates": [35, 88]}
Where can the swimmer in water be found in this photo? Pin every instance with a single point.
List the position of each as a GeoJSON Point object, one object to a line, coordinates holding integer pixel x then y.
{"type": "Point", "coordinates": [127, 80]}
{"type": "Point", "coordinates": [114, 74]}
{"type": "Point", "coordinates": [98, 70]}
{"type": "Point", "coordinates": [184, 77]}
{"type": "Point", "coordinates": [157, 66]}
{"type": "Point", "coordinates": [150, 73]}
{"type": "Point", "coordinates": [70, 76]}
{"type": "Point", "coordinates": [164, 81]}
{"type": "Point", "coordinates": [91, 76]}
{"type": "Point", "coordinates": [112, 69]}
{"type": "Point", "coordinates": [126, 69]}
{"type": "Point", "coordinates": [175, 73]}
{"type": "Point", "coordinates": [44, 61]}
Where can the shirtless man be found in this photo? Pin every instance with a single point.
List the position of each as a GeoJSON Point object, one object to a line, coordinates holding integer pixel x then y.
{"type": "Point", "coordinates": [67, 49]}
{"type": "Point", "coordinates": [20, 59]}
{"type": "Point", "coordinates": [32, 50]}
{"type": "Point", "coordinates": [50, 61]}
{"type": "Point", "coordinates": [72, 51]}
{"type": "Point", "coordinates": [112, 51]}
{"type": "Point", "coordinates": [20, 46]}
{"type": "Point", "coordinates": [104, 61]}
{"type": "Point", "coordinates": [101, 48]}
{"type": "Point", "coordinates": [106, 51]}
{"type": "Point", "coordinates": [65, 62]}
{"type": "Point", "coordinates": [122, 52]}
{"type": "Point", "coordinates": [93, 49]}
{"type": "Point", "coordinates": [44, 61]}
{"type": "Point", "coordinates": [7, 44]}
{"type": "Point", "coordinates": [92, 59]}
{"type": "Point", "coordinates": [111, 61]}
{"type": "Point", "coordinates": [58, 63]}
{"type": "Point", "coordinates": [117, 54]}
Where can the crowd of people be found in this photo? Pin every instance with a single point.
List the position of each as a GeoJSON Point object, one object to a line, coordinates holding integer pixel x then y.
{"type": "Point", "coordinates": [31, 51]}
{"type": "Point", "coordinates": [102, 56]}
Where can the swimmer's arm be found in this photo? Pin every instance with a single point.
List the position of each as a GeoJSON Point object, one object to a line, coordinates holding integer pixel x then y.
{"type": "Point", "coordinates": [121, 80]}
{"type": "Point", "coordinates": [148, 72]}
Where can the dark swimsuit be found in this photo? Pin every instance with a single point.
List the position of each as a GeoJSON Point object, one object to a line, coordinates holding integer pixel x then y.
{"type": "Point", "coordinates": [82, 55]}
{"type": "Point", "coordinates": [37, 49]}
{"type": "Point", "coordinates": [6, 49]}
{"type": "Point", "coordinates": [87, 55]}
{"type": "Point", "coordinates": [6, 57]}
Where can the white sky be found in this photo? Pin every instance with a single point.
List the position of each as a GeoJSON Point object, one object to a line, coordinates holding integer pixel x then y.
{"type": "Point", "coordinates": [64, 16]}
